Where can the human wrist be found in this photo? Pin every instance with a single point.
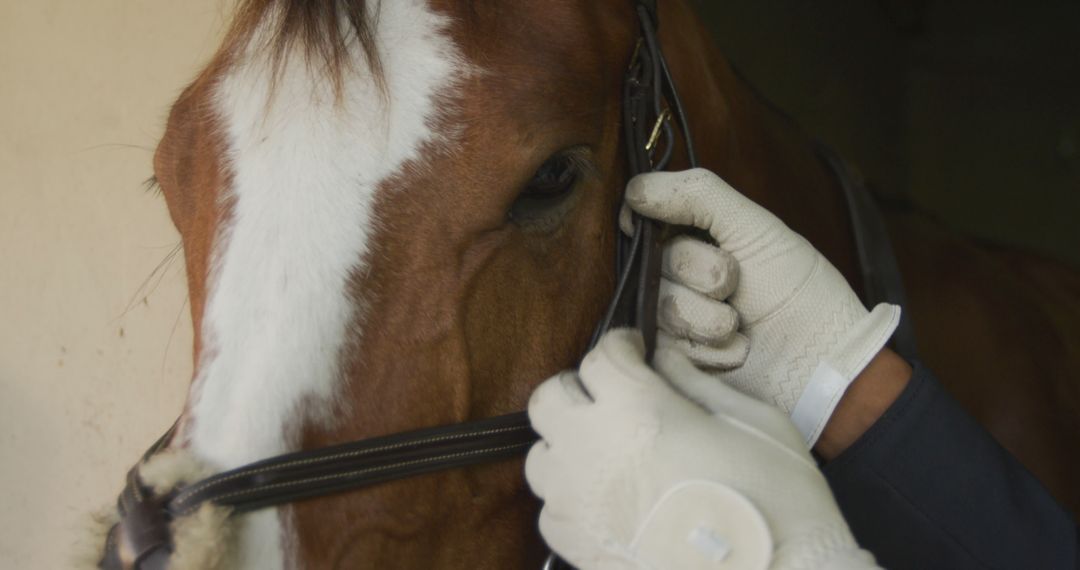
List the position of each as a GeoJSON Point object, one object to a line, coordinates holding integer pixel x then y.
{"type": "Point", "coordinates": [867, 398]}
{"type": "Point", "coordinates": [851, 337]}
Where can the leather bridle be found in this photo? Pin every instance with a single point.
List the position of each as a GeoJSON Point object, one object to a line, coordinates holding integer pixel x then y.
{"type": "Point", "coordinates": [141, 539]}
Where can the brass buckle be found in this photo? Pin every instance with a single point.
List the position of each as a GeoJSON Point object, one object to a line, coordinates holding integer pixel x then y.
{"type": "Point", "coordinates": [654, 137]}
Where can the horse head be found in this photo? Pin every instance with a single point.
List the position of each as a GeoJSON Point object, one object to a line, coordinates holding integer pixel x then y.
{"type": "Point", "coordinates": [402, 214]}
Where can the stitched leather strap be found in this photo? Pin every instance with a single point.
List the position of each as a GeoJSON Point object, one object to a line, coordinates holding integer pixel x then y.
{"type": "Point", "coordinates": [141, 541]}
{"type": "Point", "coordinates": [329, 470]}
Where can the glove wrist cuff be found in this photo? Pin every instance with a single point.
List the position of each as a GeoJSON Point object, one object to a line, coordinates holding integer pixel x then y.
{"type": "Point", "coordinates": [835, 372]}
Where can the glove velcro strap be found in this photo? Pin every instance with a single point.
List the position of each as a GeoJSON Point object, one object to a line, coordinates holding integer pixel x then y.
{"type": "Point", "coordinates": [703, 525]}
{"type": "Point", "coordinates": [836, 371]}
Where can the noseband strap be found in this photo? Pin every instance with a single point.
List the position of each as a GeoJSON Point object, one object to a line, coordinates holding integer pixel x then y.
{"type": "Point", "coordinates": [141, 540]}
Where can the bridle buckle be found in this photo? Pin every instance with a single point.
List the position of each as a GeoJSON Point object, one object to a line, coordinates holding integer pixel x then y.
{"type": "Point", "coordinates": [654, 136]}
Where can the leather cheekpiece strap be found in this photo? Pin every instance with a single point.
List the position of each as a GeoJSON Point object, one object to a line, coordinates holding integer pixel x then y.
{"type": "Point", "coordinates": [141, 540]}
{"type": "Point", "coordinates": [650, 5]}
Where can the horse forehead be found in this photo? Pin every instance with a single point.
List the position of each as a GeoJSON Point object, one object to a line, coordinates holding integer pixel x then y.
{"type": "Point", "coordinates": [540, 45]}
{"type": "Point", "coordinates": [526, 59]}
{"type": "Point", "coordinates": [305, 160]}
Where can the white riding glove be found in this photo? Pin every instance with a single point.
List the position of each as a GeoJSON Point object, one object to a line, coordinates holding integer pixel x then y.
{"type": "Point", "coordinates": [809, 335]}
{"type": "Point", "coordinates": [643, 478]}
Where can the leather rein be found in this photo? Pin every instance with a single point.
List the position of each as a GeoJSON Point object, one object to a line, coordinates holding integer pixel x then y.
{"type": "Point", "coordinates": [141, 540]}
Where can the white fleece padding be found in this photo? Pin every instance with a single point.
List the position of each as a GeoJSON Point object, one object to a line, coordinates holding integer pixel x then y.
{"type": "Point", "coordinates": [305, 168]}
{"type": "Point", "coordinates": [204, 540]}
{"type": "Point", "coordinates": [89, 546]}
{"type": "Point", "coordinates": [794, 307]}
{"type": "Point", "coordinates": [170, 468]}
{"type": "Point", "coordinates": [201, 541]}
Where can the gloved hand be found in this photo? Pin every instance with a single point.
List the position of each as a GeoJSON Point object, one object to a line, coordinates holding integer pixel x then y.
{"type": "Point", "coordinates": [809, 335]}
{"type": "Point", "coordinates": [643, 478]}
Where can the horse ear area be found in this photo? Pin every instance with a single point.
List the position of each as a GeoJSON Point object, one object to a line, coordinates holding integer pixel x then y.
{"type": "Point", "coordinates": [175, 146]}
{"type": "Point", "coordinates": [189, 159]}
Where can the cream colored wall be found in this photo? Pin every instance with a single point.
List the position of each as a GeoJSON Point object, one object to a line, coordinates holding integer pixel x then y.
{"type": "Point", "coordinates": [92, 364]}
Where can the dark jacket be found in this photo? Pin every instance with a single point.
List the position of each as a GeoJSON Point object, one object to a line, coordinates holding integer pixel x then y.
{"type": "Point", "coordinates": [927, 487]}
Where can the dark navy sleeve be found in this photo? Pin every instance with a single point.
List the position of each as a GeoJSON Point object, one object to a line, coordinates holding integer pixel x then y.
{"type": "Point", "coordinates": [927, 487]}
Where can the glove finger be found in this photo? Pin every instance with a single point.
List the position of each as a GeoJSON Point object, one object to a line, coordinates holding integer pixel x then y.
{"type": "Point", "coordinates": [538, 468]}
{"type": "Point", "coordinates": [703, 200]}
{"type": "Point", "coordinates": [552, 401]}
{"type": "Point", "coordinates": [615, 369]}
{"type": "Point", "coordinates": [565, 536]}
{"type": "Point", "coordinates": [725, 401]}
{"type": "Point", "coordinates": [626, 219]}
{"type": "Point", "coordinates": [731, 354]}
{"type": "Point", "coordinates": [685, 313]}
{"type": "Point", "coordinates": [700, 266]}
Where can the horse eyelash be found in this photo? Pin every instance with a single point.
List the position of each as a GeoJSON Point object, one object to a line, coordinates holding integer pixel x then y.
{"type": "Point", "coordinates": [151, 186]}
{"type": "Point", "coordinates": [579, 157]}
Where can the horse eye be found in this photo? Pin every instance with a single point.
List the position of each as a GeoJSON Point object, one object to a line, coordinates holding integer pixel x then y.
{"type": "Point", "coordinates": [554, 178]}
{"type": "Point", "coordinates": [544, 200]}
{"type": "Point", "coordinates": [549, 197]}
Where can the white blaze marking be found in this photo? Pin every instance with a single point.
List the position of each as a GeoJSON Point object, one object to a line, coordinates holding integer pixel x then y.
{"type": "Point", "coordinates": [305, 172]}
